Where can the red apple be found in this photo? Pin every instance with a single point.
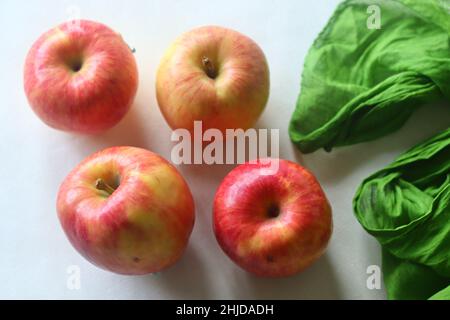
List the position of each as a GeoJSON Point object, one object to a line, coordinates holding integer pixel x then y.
{"type": "Point", "coordinates": [272, 225]}
{"type": "Point", "coordinates": [80, 76]}
{"type": "Point", "coordinates": [214, 75]}
{"type": "Point", "coordinates": [127, 210]}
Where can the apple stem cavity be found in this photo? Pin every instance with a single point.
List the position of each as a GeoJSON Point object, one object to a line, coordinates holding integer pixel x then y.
{"type": "Point", "coordinates": [209, 68]}
{"type": "Point", "coordinates": [102, 185]}
{"type": "Point", "coordinates": [74, 63]}
{"type": "Point", "coordinates": [273, 211]}
{"type": "Point", "coordinates": [76, 66]}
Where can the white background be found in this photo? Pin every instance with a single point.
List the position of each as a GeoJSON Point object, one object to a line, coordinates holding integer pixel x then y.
{"type": "Point", "coordinates": [34, 252]}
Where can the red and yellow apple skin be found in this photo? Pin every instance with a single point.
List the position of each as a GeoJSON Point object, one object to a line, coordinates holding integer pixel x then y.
{"type": "Point", "coordinates": [272, 225]}
{"type": "Point", "coordinates": [127, 210]}
{"type": "Point", "coordinates": [214, 75]}
{"type": "Point", "coordinates": [81, 77]}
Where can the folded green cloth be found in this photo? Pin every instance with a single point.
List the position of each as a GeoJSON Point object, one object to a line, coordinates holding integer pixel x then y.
{"type": "Point", "coordinates": [359, 84]}
{"type": "Point", "coordinates": [406, 206]}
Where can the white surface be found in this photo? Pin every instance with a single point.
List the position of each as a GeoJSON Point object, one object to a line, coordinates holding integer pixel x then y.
{"type": "Point", "coordinates": [35, 253]}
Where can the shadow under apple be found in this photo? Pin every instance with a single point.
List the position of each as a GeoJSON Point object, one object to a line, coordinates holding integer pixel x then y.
{"type": "Point", "coordinates": [316, 282]}
{"type": "Point", "coordinates": [186, 279]}
{"type": "Point", "coordinates": [128, 132]}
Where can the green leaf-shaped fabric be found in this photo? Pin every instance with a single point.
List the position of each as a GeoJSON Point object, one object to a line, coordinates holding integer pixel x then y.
{"type": "Point", "coordinates": [406, 206]}
{"type": "Point", "coordinates": [360, 83]}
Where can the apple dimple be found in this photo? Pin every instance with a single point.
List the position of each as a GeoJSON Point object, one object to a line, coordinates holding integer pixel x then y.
{"type": "Point", "coordinates": [75, 64]}
{"type": "Point", "coordinates": [70, 52]}
{"type": "Point", "coordinates": [273, 211]}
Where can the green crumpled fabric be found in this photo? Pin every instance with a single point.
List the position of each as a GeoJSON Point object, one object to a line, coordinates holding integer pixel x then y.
{"type": "Point", "coordinates": [406, 206]}
{"type": "Point", "coordinates": [359, 84]}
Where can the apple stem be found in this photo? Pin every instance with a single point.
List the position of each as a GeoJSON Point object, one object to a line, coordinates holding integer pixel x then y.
{"type": "Point", "coordinates": [102, 185]}
{"type": "Point", "coordinates": [209, 67]}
